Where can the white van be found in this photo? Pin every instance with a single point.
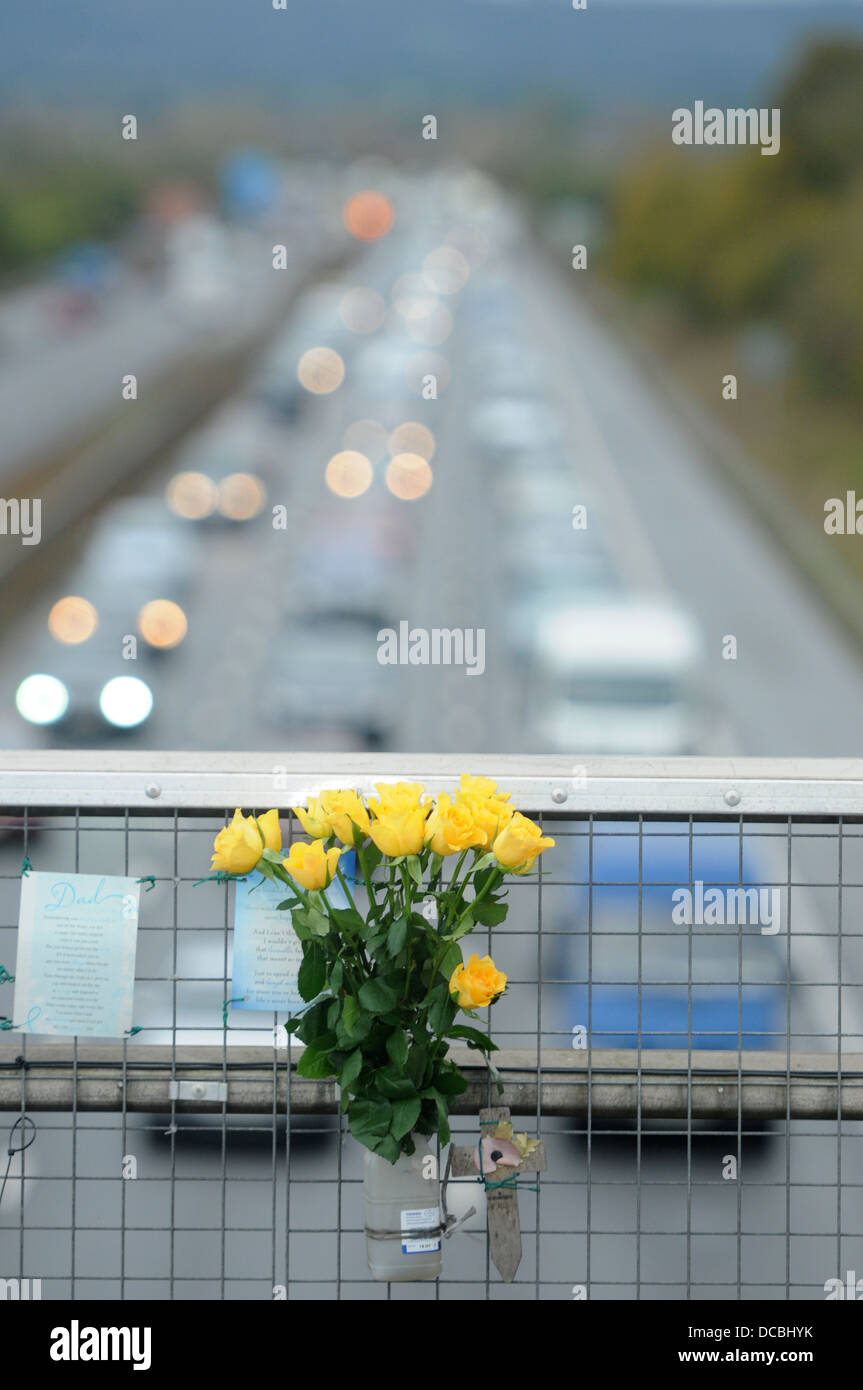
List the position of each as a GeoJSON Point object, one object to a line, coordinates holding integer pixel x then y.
{"type": "Point", "coordinates": [617, 676]}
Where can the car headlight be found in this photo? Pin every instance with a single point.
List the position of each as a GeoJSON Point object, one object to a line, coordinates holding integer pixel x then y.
{"type": "Point", "coordinates": [126, 701]}
{"type": "Point", "coordinates": [42, 699]}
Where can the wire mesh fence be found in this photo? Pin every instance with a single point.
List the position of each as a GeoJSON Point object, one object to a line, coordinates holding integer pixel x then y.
{"type": "Point", "coordinates": [683, 1028]}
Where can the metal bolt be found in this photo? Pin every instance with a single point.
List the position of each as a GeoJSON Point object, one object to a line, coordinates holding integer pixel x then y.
{"type": "Point", "coordinates": [559, 794]}
{"type": "Point", "coordinates": [199, 1090]}
{"type": "Point", "coordinates": [732, 797]}
{"type": "Point", "coordinates": [720, 1089]}
{"type": "Point", "coordinates": [153, 789]}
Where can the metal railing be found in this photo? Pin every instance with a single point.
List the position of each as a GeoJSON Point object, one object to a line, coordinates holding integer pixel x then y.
{"type": "Point", "coordinates": [698, 1084]}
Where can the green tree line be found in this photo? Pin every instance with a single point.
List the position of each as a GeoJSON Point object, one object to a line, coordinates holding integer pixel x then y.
{"type": "Point", "coordinates": [736, 236]}
{"type": "Point", "coordinates": [46, 210]}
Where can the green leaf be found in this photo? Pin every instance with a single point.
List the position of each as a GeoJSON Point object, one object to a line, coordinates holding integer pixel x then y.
{"type": "Point", "coordinates": [313, 971]}
{"type": "Point", "coordinates": [416, 1065]}
{"type": "Point", "coordinates": [293, 1024]}
{"type": "Point", "coordinates": [451, 960]}
{"type": "Point", "coordinates": [351, 1069]}
{"type": "Point", "coordinates": [437, 991]}
{"type": "Point", "coordinates": [450, 1082]}
{"type": "Point", "coordinates": [377, 997]}
{"type": "Point", "coordinates": [441, 1014]}
{"type": "Point", "coordinates": [405, 1115]}
{"type": "Point", "coordinates": [372, 856]}
{"type": "Point", "coordinates": [300, 924]}
{"type": "Point", "coordinates": [288, 905]}
{"type": "Point", "coordinates": [313, 1021]}
{"type": "Point", "coordinates": [397, 1047]}
{"type": "Point", "coordinates": [315, 1065]}
{"type": "Point", "coordinates": [369, 1119]}
{"type": "Point", "coordinates": [388, 1148]}
{"type": "Point", "coordinates": [489, 914]}
{"type": "Point", "coordinates": [473, 1037]}
{"type": "Point", "coordinates": [347, 917]}
{"type": "Point", "coordinates": [317, 922]}
{"type": "Point", "coordinates": [442, 1113]}
{"type": "Point", "coordinates": [351, 1012]}
{"type": "Point", "coordinates": [397, 936]}
{"type": "Point", "coordinates": [414, 868]}
{"type": "Point", "coordinates": [265, 868]}
{"type": "Point", "coordinates": [396, 1087]}
{"type": "Point", "coordinates": [465, 925]}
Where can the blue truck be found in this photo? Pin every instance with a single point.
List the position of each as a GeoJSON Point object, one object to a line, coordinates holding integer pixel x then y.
{"type": "Point", "coordinates": [676, 944]}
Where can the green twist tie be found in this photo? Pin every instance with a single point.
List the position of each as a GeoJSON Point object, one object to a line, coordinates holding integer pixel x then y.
{"type": "Point", "coordinates": [5, 977]}
{"type": "Point", "coordinates": [149, 879]}
{"type": "Point", "coordinates": [26, 867]}
{"type": "Point", "coordinates": [511, 1181]}
{"type": "Point", "coordinates": [220, 877]}
{"type": "Point", "coordinates": [240, 1000]}
{"type": "Point", "coordinates": [130, 1032]}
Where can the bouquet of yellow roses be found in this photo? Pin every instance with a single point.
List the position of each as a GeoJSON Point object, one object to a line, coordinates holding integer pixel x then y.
{"type": "Point", "coordinates": [384, 981]}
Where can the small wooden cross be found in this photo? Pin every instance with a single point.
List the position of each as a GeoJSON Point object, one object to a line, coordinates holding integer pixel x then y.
{"type": "Point", "coordinates": [504, 1230]}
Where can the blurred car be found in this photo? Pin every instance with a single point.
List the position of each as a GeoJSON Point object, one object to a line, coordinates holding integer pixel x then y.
{"type": "Point", "coordinates": [617, 676]}
{"type": "Point", "coordinates": [325, 681]}
{"type": "Point", "coordinates": [504, 366]}
{"type": "Point", "coordinates": [547, 556]}
{"type": "Point", "coordinates": [351, 565]}
{"type": "Point", "coordinates": [137, 567]}
{"type": "Point", "coordinates": [506, 424]}
{"type": "Point", "coordinates": [537, 493]}
{"type": "Point", "coordinates": [81, 280]}
{"type": "Point", "coordinates": [314, 322]}
{"type": "Point", "coordinates": [701, 986]}
{"type": "Point", "coordinates": [199, 270]}
{"type": "Point", "coordinates": [137, 551]}
{"type": "Point", "coordinates": [223, 473]}
{"type": "Point", "coordinates": [78, 696]}
{"type": "Point", "coordinates": [380, 373]}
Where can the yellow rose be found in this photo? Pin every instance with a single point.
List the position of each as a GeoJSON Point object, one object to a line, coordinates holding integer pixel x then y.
{"type": "Point", "coordinates": [452, 827]}
{"type": "Point", "coordinates": [397, 796]}
{"type": "Point", "coordinates": [310, 866]}
{"type": "Point", "coordinates": [482, 787]}
{"type": "Point", "coordinates": [314, 820]}
{"type": "Point", "coordinates": [271, 830]}
{"type": "Point", "coordinates": [400, 832]}
{"type": "Point", "coordinates": [238, 846]}
{"type": "Point", "coordinates": [478, 983]}
{"type": "Point", "coordinates": [489, 814]}
{"type": "Point", "coordinates": [519, 844]}
{"type": "Point", "coordinates": [334, 813]}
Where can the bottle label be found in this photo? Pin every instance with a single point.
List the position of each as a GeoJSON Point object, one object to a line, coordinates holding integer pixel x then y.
{"type": "Point", "coordinates": [414, 1220]}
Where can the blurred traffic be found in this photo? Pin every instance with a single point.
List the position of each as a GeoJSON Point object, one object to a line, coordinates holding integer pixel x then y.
{"type": "Point", "coordinates": [264, 556]}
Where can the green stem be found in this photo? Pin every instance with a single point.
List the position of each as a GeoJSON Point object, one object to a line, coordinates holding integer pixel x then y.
{"type": "Point", "coordinates": [367, 878]}
{"type": "Point", "coordinates": [459, 897]}
{"type": "Point", "coordinates": [492, 880]}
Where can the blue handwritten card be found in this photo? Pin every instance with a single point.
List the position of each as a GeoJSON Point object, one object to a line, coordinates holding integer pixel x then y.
{"type": "Point", "coordinates": [75, 970]}
{"type": "Point", "coordinates": [267, 951]}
